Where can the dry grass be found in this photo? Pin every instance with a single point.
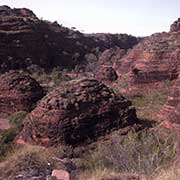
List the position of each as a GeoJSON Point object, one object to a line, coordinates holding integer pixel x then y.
{"type": "Point", "coordinates": [142, 154]}
{"type": "Point", "coordinates": [97, 174]}
{"type": "Point", "coordinates": [149, 102]}
{"type": "Point", "coordinates": [105, 173]}
{"type": "Point", "coordinates": [148, 99]}
{"type": "Point", "coordinates": [27, 159]}
{"type": "Point", "coordinates": [170, 174]}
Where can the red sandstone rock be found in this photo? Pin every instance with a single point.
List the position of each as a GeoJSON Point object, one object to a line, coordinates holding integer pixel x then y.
{"type": "Point", "coordinates": [109, 56]}
{"type": "Point", "coordinates": [4, 124]}
{"type": "Point", "coordinates": [18, 91]}
{"type": "Point", "coordinates": [106, 74]}
{"type": "Point", "coordinates": [171, 110]}
{"type": "Point", "coordinates": [79, 111]}
{"type": "Point", "coordinates": [60, 174]}
{"type": "Point", "coordinates": [154, 59]}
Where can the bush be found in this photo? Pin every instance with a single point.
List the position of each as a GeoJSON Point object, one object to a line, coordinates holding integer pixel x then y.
{"type": "Point", "coordinates": [17, 118]}
{"type": "Point", "coordinates": [53, 78]}
{"type": "Point", "coordinates": [58, 76]}
{"type": "Point", "coordinates": [7, 136]}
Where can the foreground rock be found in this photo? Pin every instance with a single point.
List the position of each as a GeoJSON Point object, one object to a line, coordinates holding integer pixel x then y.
{"type": "Point", "coordinates": [18, 91]}
{"type": "Point", "coordinates": [4, 124]}
{"type": "Point", "coordinates": [60, 174]}
{"type": "Point", "coordinates": [79, 111]}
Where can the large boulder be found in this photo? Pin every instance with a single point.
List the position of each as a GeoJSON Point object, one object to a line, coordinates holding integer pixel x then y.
{"type": "Point", "coordinates": [79, 111]}
{"type": "Point", "coordinates": [18, 91]}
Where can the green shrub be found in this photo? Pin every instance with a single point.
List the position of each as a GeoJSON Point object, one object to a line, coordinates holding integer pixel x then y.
{"type": "Point", "coordinates": [6, 139]}
{"type": "Point", "coordinates": [17, 118]}
{"type": "Point", "coordinates": [7, 136]}
{"type": "Point", "coordinates": [58, 76]}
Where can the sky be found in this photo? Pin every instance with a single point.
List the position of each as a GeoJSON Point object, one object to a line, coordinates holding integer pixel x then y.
{"type": "Point", "coordinates": [136, 17]}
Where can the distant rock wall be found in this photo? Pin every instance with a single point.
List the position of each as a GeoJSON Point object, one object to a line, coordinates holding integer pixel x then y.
{"type": "Point", "coordinates": [154, 59]}
{"type": "Point", "coordinates": [27, 41]}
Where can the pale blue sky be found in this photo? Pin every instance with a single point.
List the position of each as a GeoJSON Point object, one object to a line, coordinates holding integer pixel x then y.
{"type": "Point", "coordinates": [136, 17]}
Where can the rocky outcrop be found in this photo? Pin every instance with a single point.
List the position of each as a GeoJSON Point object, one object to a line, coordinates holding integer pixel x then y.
{"type": "Point", "coordinates": [154, 59]}
{"type": "Point", "coordinates": [170, 114]}
{"type": "Point", "coordinates": [122, 41]}
{"type": "Point", "coordinates": [110, 56]}
{"type": "Point", "coordinates": [23, 12]}
{"type": "Point", "coordinates": [26, 41]}
{"type": "Point", "coordinates": [79, 111]}
{"type": "Point", "coordinates": [175, 26]}
{"type": "Point", "coordinates": [18, 91]}
{"type": "Point", "coordinates": [106, 74]}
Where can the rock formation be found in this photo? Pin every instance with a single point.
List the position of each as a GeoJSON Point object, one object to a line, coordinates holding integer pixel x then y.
{"type": "Point", "coordinates": [122, 41]}
{"type": "Point", "coordinates": [18, 91]}
{"type": "Point", "coordinates": [110, 56]}
{"type": "Point", "coordinates": [26, 41]}
{"type": "Point", "coordinates": [104, 70]}
{"type": "Point", "coordinates": [79, 111]}
{"type": "Point", "coordinates": [155, 59]}
{"type": "Point", "coordinates": [106, 74]}
{"type": "Point", "coordinates": [175, 26]}
{"type": "Point", "coordinates": [170, 113]}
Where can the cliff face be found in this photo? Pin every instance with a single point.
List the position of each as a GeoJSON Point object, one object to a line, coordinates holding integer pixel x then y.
{"type": "Point", "coordinates": [27, 41]}
{"type": "Point", "coordinates": [155, 59]}
{"type": "Point", "coordinates": [170, 113]}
